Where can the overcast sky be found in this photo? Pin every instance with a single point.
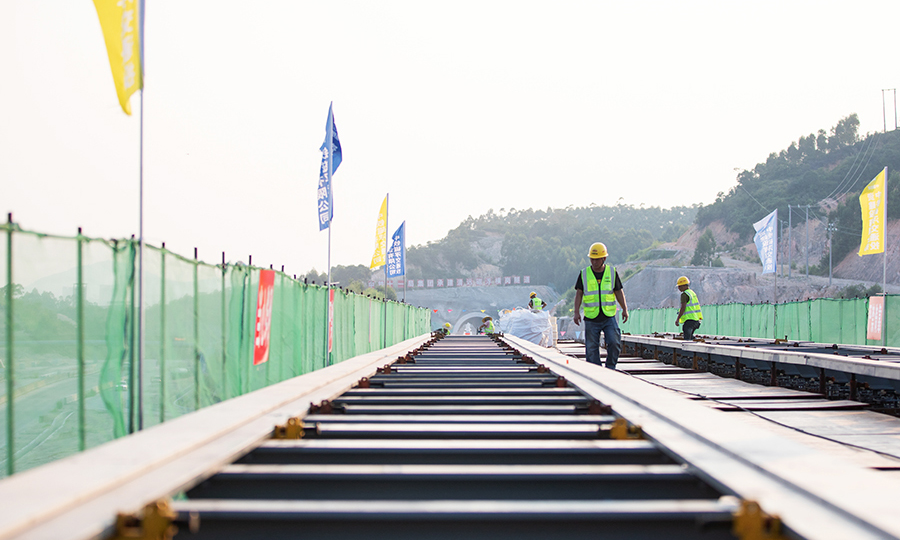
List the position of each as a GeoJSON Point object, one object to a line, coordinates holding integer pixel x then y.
{"type": "Point", "coordinates": [453, 108]}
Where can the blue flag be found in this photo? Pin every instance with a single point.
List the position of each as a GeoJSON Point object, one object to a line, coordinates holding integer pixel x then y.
{"type": "Point", "coordinates": [396, 258]}
{"type": "Point", "coordinates": [766, 240]}
{"type": "Point", "coordinates": [331, 160]}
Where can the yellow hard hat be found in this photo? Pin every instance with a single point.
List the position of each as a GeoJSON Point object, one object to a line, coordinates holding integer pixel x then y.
{"type": "Point", "coordinates": [447, 325]}
{"type": "Point", "coordinates": [598, 251]}
{"type": "Point", "coordinates": [532, 295]}
{"type": "Point", "coordinates": [683, 280]}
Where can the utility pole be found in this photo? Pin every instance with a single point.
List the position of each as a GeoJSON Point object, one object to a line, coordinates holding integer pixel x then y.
{"type": "Point", "coordinates": [789, 250]}
{"type": "Point", "coordinates": [831, 228]}
{"type": "Point", "coordinates": [807, 241]}
{"type": "Point", "coordinates": [883, 111]}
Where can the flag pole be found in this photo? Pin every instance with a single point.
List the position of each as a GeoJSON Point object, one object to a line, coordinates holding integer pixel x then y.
{"type": "Point", "coordinates": [405, 308]}
{"type": "Point", "coordinates": [140, 306]}
{"type": "Point", "coordinates": [326, 176]}
{"type": "Point", "coordinates": [329, 140]}
{"type": "Point", "coordinates": [386, 229]}
{"type": "Point", "coordinates": [140, 313]}
{"type": "Point", "coordinates": [328, 299]}
{"type": "Point", "coordinates": [884, 264]}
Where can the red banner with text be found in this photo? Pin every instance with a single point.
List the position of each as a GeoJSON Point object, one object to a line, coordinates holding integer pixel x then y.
{"type": "Point", "coordinates": [876, 317]}
{"type": "Point", "coordinates": [263, 316]}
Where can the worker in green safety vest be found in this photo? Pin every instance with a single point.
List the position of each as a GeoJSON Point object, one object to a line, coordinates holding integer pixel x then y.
{"type": "Point", "coordinates": [487, 325]}
{"type": "Point", "coordinates": [536, 303]}
{"type": "Point", "coordinates": [599, 287]}
{"type": "Point", "coordinates": [689, 314]}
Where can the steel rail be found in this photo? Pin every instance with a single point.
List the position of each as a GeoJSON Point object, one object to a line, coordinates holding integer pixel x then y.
{"type": "Point", "coordinates": [542, 461]}
{"type": "Point", "coordinates": [781, 353]}
{"type": "Point", "coordinates": [813, 494]}
{"type": "Point", "coordinates": [78, 497]}
{"type": "Point", "coordinates": [518, 461]}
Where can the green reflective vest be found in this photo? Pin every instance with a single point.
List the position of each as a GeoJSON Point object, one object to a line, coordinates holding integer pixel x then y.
{"type": "Point", "coordinates": [596, 298]}
{"type": "Point", "coordinates": [489, 329]}
{"type": "Point", "coordinates": [692, 310]}
{"type": "Point", "coordinates": [537, 304]}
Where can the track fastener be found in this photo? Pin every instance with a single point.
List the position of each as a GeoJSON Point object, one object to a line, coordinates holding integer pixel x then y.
{"type": "Point", "coordinates": [156, 524]}
{"type": "Point", "coordinates": [751, 523]}
{"type": "Point", "coordinates": [293, 429]}
{"type": "Point", "coordinates": [621, 430]}
{"type": "Point", "coordinates": [596, 408]}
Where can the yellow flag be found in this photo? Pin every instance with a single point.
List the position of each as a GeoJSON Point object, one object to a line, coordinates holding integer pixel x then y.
{"type": "Point", "coordinates": [378, 259]}
{"type": "Point", "coordinates": [872, 202]}
{"type": "Point", "coordinates": [121, 24]}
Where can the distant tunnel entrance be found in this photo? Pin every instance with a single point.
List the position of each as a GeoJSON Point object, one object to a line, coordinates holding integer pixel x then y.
{"type": "Point", "coordinates": [473, 318]}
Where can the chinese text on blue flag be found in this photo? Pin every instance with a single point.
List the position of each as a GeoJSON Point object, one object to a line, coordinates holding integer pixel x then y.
{"type": "Point", "coordinates": [766, 240]}
{"type": "Point", "coordinates": [331, 160]}
{"type": "Point", "coordinates": [396, 260]}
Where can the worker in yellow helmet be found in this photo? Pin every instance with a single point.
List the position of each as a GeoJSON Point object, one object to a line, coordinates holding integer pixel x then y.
{"type": "Point", "coordinates": [536, 303]}
{"type": "Point", "coordinates": [445, 329]}
{"type": "Point", "coordinates": [487, 325]}
{"type": "Point", "coordinates": [690, 313]}
{"type": "Point", "coordinates": [599, 287]}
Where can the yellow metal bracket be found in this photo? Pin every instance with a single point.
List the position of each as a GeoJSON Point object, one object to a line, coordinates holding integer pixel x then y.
{"type": "Point", "coordinates": [155, 525]}
{"type": "Point", "coordinates": [621, 429]}
{"type": "Point", "coordinates": [751, 523]}
{"type": "Point", "coordinates": [293, 429]}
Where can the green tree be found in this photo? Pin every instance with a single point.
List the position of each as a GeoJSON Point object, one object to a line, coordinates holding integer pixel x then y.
{"type": "Point", "coordinates": [356, 286]}
{"type": "Point", "coordinates": [314, 277]}
{"type": "Point", "coordinates": [378, 292]}
{"type": "Point", "coordinates": [344, 275]}
{"type": "Point", "coordinates": [706, 249]}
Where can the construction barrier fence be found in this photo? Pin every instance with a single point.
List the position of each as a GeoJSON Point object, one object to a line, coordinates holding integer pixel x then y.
{"type": "Point", "coordinates": [69, 323]}
{"type": "Point", "coordinates": [821, 320]}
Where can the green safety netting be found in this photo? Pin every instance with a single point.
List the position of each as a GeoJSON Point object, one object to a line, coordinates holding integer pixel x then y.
{"type": "Point", "coordinates": [70, 332]}
{"type": "Point", "coordinates": [822, 320]}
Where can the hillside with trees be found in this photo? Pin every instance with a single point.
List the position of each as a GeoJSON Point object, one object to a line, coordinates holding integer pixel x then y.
{"type": "Point", "coordinates": [826, 171]}
{"type": "Point", "coordinates": [545, 244]}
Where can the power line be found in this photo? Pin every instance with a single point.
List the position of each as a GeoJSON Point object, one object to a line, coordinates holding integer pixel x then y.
{"type": "Point", "coordinates": [850, 170]}
{"type": "Point", "coordinates": [853, 167]}
{"type": "Point", "coordinates": [861, 169]}
{"type": "Point", "coordinates": [752, 197]}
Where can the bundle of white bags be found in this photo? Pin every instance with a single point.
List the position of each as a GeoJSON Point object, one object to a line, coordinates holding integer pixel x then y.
{"type": "Point", "coordinates": [533, 326]}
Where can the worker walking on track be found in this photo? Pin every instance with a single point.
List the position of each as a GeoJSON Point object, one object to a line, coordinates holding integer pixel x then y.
{"type": "Point", "coordinates": [600, 288]}
{"type": "Point", "coordinates": [487, 325]}
{"type": "Point", "coordinates": [689, 314]}
{"type": "Point", "coordinates": [536, 303]}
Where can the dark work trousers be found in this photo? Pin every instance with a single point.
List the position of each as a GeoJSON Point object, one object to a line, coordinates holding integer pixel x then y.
{"type": "Point", "coordinates": [611, 334]}
{"type": "Point", "coordinates": [690, 326]}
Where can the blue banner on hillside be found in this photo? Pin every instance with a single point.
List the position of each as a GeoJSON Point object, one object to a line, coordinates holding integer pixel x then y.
{"type": "Point", "coordinates": [331, 160]}
{"type": "Point", "coordinates": [766, 240]}
{"type": "Point", "coordinates": [396, 259]}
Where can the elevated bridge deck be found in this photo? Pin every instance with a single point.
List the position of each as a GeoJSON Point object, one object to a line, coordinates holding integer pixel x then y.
{"type": "Point", "coordinates": [478, 438]}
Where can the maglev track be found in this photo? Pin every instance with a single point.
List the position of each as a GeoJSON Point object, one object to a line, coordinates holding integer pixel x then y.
{"type": "Point", "coordinates": [465, 439]}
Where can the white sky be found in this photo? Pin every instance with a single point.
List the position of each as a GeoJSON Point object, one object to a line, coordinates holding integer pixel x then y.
{"type": "Point", "coordinates": [451, 107]}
